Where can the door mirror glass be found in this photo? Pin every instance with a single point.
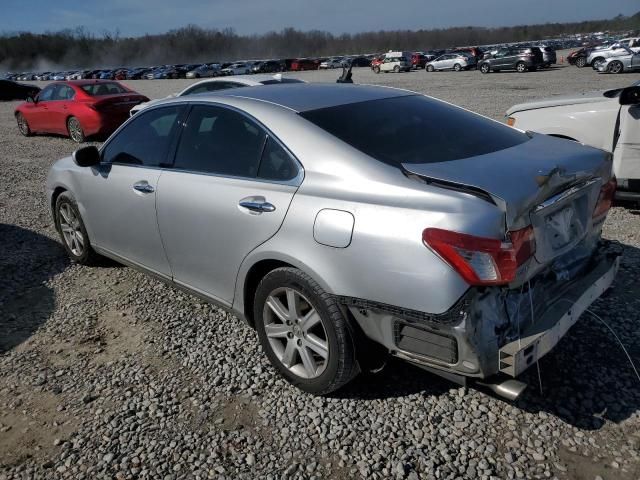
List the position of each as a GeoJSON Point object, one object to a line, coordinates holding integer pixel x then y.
{"type": "Point", "coordinates": [31, 99]}
{"type": "Point", "coordinates": [87, 156]}
{"type": "Point", "coordinates": [630, 96]}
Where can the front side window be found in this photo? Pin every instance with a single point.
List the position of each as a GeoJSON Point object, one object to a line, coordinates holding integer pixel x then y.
{"type": "Point", "coordinates": [145, 140]}
{"type": "Point", "coordinates": [220, 141]}
{"type": "Point", "coordinates": [46, 94]}
{"type": "Point", "coordinates": [63, 92]}
{"type": "Point", "coordinates": [427, 131]}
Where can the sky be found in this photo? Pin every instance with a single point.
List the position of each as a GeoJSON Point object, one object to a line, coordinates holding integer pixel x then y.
{"type": "Point", "coordinates": [138, 17]}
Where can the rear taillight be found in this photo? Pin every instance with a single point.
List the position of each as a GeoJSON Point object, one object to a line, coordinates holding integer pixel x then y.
{"type": "Point", "coordinates": [605, 200]}
{"type": "Point", "coordinates": [479, 260]}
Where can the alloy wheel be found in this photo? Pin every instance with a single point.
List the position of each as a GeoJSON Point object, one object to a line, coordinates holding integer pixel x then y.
{"type": "Point", "coordinates": [457, 67]}
{"type": "Point", "coordinates": [23, 126]}
{"type": "Point", "coordinates": [296, 333]}
{"type": "Point", "coordinates": [484, 68]}
{"type": "Point", "coordinates": [615, 67]}
{"type": "Point", "coordinates": [521, 67]}
{"type": "Point", "coordinates": [581, 62]}
{"type": "Point", "coordinates": [71, 230]}
{"type": "Point", "coordinates": [75, 130]}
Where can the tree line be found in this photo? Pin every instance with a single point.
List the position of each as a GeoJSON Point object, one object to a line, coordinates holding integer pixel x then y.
{"type": "Point", "coordinates": [81, 48]}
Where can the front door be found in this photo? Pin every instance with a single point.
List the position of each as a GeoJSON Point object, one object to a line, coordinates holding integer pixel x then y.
{"type": "Point", "coordinates": [626, 156]}
{"type": "Point", "coordinates": [120, 199]}
{"type": "Point", "coordinates": [228, 192]}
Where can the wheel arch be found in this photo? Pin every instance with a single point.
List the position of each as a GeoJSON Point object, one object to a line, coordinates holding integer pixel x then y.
{"type": "Point", "coordinates": [253, 271]}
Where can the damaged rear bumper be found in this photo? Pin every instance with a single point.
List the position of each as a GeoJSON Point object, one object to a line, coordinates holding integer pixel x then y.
{"type": "Point", "coordinates": [544, 333]}
{"type": "Point", "coordinates": [484, 334]}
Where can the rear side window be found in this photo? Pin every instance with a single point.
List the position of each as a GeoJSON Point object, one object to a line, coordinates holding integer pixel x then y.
{"type": "Point", "coordinates": [276, 163]}
{"type": "Point", "coordinates": [145, 140]}
{"type": "Point", "coordinates": [414, 129]}
{"type": "Point", "coordinates": [220, 141]}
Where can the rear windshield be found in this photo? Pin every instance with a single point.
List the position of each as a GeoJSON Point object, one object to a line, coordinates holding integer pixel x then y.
{"type": "Point", "coordinates": [414, 129]}
{"type": "Point", "coordinates": [108, 88]}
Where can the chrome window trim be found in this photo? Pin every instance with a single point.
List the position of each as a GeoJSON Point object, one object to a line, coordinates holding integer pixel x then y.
{"type": "Point", "coordinates": [294, 182]}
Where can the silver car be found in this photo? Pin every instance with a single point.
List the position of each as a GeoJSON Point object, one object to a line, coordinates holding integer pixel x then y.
{"type": "Point", "coordinates": [451, 61]}
{"type": "Point", "coordinates": [625, 61]}
{"type": "Point", "coordinates": [343, 232]}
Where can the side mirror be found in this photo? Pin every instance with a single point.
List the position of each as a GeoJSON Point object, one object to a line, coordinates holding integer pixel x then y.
{"type": "Point", "coordinates": [31, 99]}
{"type": "Point", "coordinates": [630, 96]}
{"type": "Point", "coordinates": [88, 156]}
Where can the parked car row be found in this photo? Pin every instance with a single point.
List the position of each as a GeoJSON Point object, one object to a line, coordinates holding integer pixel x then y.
{"type": "Point", "coordinates": [594, 55]}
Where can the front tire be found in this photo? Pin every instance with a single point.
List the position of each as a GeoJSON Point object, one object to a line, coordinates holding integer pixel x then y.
{"type": "Point", "coordinates": [303, 332]}
{"type": "Point", "coordinates": [457, 67]}
{"type": "Point", "coordinates": [396, 69]}
{"type": "Point", "coordinates": [376, 69]}
{"type": "Point", "coordinates": [73, 232]}
{"type": "Point", "coordinates": [430, 68]}
{"type": "Point", "coordinates": [484, 68]}
{"type": "Point", "coordinates": [23, 125]}
{"type": "Point", "coordinates": [74, 128]}
{"type": "Point", "coordinates": [581, 62]}
{"type": "Point", "coordinates": [615, 67]}
{"type": "Point", "coordinates": [521, 67]}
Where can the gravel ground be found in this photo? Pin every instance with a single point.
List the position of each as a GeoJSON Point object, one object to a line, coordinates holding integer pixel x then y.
{"type": "Point", "coordinates": [105, 373]}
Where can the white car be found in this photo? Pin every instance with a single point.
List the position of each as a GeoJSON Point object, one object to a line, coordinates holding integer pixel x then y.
{"type": "Point", "coordinates": [627, 61]}
{"type": "Point", "coordinates": [609, 120]}
{"type": "Point", "coordinates": [237, 69]}
{"type": "Point", "coordinates": [219, 83]}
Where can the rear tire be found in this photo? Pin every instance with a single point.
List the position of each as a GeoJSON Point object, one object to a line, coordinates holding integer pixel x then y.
{"type": "Point", "coordinates": [457, 67]}
{"type": "Point", "coordinates": [581, 62]}
{"type": "Point", "coordinates": [73, 232]}
{"type": "Point", "coordinates": [74, 128]}
{"type": "Point", "coordinates": [485, 68]}
{"type": "Point", "coordinates": [376, 69]}
{"type": "Point", "coordinates": [308, 341]}
{"type": "Point", "coordinates": [23, 125]}
{"type": "Point", "coordinates": [521, 67]}
{"type": "Point", "coordinates": [396, 69]}
{"type": "Point", "coordinates": [430, 68]}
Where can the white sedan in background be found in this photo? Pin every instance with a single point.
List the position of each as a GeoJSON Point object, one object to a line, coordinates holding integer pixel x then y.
{"type": "Point", "coordinates": [213, 84]}
{"type": "Point", "coordinates": [237, 69]}
{"type": "Point", "coordinates": [609, 120]}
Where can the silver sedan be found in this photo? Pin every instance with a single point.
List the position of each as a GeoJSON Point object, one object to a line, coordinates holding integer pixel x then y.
{"type": "Point", "coordinates": [343, 231]}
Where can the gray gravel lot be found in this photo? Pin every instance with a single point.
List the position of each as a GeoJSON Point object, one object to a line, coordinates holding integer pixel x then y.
{"type": "Point", "coordinates": [105, 373]}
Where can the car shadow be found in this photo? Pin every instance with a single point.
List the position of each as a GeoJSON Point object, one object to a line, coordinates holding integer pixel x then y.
{"type": "Point", "coordinates": [586, 380]}
{"type": "Point", "coordinates": [28, 260]}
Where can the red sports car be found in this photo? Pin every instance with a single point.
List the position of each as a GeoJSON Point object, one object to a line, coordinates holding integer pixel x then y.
{"type": "Point", "coordinates": [77, 109]}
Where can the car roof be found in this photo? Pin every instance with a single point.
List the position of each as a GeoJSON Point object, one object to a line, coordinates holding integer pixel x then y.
{"type": "Point", "coordinates": [302, 97]}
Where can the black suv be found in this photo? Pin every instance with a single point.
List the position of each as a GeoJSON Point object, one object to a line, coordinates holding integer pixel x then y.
{"type": "Point", "coordinates": [520, 59]}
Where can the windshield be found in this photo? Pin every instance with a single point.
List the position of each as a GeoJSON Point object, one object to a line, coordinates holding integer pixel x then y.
{"type": "Point", "coordinates": [414, 129]}
{"type": "Point", "coordinates": [99, 89]}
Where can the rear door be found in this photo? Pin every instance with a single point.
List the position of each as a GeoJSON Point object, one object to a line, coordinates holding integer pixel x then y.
{"type": "Point", "coordinates": [228, 191]}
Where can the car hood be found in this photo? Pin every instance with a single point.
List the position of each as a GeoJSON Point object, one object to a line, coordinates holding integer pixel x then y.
{"type": "Point", "coordinates": [520, 177]}
{"type": "Point", "coordinates": [560, 100]}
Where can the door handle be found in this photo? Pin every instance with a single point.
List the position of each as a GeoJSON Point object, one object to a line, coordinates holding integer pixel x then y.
{"type": "Point", "coordinates": [143, 187]}
{"type": "Point", "coordinates": [258, 206]}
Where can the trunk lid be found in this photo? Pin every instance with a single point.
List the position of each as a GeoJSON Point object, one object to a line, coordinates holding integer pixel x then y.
{"type": "Point", "coordinates": [548, 183]}
{"type": "Point", "coordinates": [118, 103]}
